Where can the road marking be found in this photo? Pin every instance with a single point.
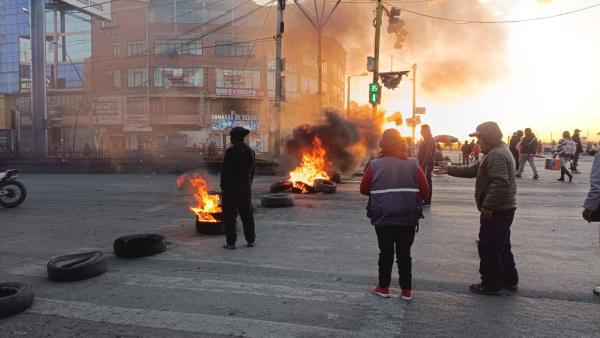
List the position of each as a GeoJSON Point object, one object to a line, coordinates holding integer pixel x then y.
{"type": "Point", "coordinates": [180, 321]}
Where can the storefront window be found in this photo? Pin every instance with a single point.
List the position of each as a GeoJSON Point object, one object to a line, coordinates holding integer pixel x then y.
{"type": "Point", "coordinates": [238, 78]}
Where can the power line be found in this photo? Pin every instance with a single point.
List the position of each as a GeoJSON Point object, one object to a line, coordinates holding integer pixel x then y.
{"type": "Point", "coordinates": [462, 21]}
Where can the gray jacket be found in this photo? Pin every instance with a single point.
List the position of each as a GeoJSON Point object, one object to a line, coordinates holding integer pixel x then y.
{"type": "Point", "coordinates": [592, 202]}
{"type": "Point", "coordinates": [495, 187]}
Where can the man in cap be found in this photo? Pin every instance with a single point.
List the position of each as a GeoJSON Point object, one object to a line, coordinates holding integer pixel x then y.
{"type": "Point", "coordinates": [236, 186]}
{"type": "Point", "coordinates": [578, 152]}
{"type": "Point", "coordinates": [495, 191]}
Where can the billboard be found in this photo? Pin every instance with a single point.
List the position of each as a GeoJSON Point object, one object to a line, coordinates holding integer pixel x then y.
{"type": "Point", "coordinates": [97, 8]}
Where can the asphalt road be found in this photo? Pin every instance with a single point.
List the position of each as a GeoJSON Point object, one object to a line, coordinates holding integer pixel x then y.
{"type": "Point", "coordinates": [311, 272]}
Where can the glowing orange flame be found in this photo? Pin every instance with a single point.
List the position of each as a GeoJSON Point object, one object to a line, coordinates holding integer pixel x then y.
{"type": "Point", "coordinates": [207, 204]}
{"type": "Point", "coordinates": [312, 167]}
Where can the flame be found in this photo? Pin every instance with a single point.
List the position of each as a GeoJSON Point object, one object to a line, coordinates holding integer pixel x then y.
{"type": "Point", "coordinates": [312, 167]}
{"type": "Point", "coordinates": [207, 204]}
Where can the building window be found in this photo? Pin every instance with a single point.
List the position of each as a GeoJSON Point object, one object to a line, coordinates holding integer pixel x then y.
{"type": "Point", "coordinates": [228, 48]}
{"type": "Point", "coordinates": [178, 47]}
{"type": "Point", "coordinates": [178, 77]}
{"type": "Point", "coordinates": [238, 78]}
{"type": "Point", "coordinates": [137, 77]}
{"type": "Point", "coordinates": [116, 78]}
{"type": "Point", "coordinates": [136, 48]}
{"type": "Point", "coordinates": [137, 105]}
{"type": "Point", "coordinates": [116, 48]}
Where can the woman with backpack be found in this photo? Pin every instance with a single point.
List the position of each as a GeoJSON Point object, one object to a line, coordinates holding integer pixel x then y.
{"type": "Point", "coordinates": [565, 150]}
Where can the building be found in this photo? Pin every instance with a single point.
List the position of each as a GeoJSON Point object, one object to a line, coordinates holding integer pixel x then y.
{"type": "Point", "coordinates": [68, 44]}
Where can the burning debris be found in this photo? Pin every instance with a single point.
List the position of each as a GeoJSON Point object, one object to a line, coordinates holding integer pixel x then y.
{"type": "Point", "coordinates": [207, 207]}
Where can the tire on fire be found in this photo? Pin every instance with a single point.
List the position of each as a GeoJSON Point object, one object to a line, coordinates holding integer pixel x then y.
{"type": "Point", "coordinates": [325, 186]}
{"type": "Point", "coordinates": [77, 266]}
{"type": "Point", "coordinates": [281, 186]}
{"type": "Point", "coordinates": [15, 298]}
{"type": "Point", "coordinates": [139, 245]}
{"type": "Point", "coordinates": [277, 200]}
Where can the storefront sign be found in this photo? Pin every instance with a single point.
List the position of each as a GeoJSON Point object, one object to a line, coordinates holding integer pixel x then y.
{"type": "Point", "coordinates": [234, 92]}
{"type": "Point", "coordinates": [137, 123]}
{"type": "Point", "coordinates": [227, 121]}
{"type": "Point", "coordinates": [108, 110]}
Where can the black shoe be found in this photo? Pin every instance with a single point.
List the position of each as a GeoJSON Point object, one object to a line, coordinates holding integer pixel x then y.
{"type": "Point", "coordinates": [518, 175]}
{"type": "Point", "coordinates": [561, 179]}
{"type": "Point", "coordinates": [483, 290]}
{"type": "Point", "coordinates": [511, 287]}
{"type": "Point", "coordinates": [229, 246]}
{"type": "Point", "coordinates": [570, 178]}
{"type": "Point", "coordinates": [251, 244]}
{"type": "Point", "coordinates": [536, 177]}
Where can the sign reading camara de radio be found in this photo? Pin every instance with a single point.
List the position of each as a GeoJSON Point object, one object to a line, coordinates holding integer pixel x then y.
{"type": "Point", "coordinates": [97, 8]}
{"type": "Point", "coordinates": [227, 121]}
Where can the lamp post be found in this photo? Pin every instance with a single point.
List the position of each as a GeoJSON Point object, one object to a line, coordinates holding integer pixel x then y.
{"type": "Point", "coordinates": [348, 89]}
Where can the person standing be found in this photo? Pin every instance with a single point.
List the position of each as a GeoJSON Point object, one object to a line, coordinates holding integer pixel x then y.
{"type": "Point", "coordinates": [466, 152]}
{"type": "Point", "coordinates": [426, 158]}
{"type": "Point", "coordinates": [236, 187]}
{"type": "Point", "coordinates": [396, 187]}
{"type": "Point", "coordinates": [565, 150]}
{"type": "Point", "coordinates": [514, 140]}
{"type": "Point", "coordinates": [578, 151]}
{"type": "Point", "coordinates": [476, 151]}
{"type": "Point", "coordinates": [592, 202]}
{"type": "Point", "coordinates": [495, 195]}
{"type": "Point", "coordinates": [527, 152]}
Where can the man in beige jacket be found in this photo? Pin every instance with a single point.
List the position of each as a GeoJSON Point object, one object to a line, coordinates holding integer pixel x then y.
{"type": "Point", "coordinates": [495, 194]}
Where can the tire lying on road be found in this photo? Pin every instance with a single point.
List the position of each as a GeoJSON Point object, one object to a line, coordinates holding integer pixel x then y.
{"type": "Point", "coordinates": [15, 298]}
{"type": "Point", "coordinates": [281, 186]}
{"type": "Point", "coordinates": [77, 266]}
{"type": "Point", "coordinates": [139, 245]}
{"type": "Point", "coordinates": [277, 200]}
{"type": "Point", "coordinates": [325, 186]}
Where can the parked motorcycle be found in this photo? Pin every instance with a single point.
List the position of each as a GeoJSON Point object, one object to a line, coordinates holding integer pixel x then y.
{"type": "Point", "coordinates": [12, 192]}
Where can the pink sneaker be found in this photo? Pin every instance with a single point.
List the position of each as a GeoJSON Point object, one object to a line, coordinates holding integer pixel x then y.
{"type": "Point", "coordinates": [406, 295]}
{"type": "Point", "coordinates": [383, 292]}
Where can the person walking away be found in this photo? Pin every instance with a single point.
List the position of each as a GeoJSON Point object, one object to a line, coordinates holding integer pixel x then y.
{"type": "Point", "coordinates": [495, 195]}
{"type": "Point", "coordinates": [466, 152]}
{"type": "Point", "coordinates": [592, 202]}
{"type": "Point", "coordinates": [476, 151]}
{"type": "Point", "coordinates": [514, 140]}
{"type": "Point", "coordinates": [565, 150]}
{"type": "Point", "coordinates": [578, 152]}
{"type": "Point", "coordinates": [396, 186]}
{"type": "Point", "coordinates": [426, 158]}
{"type": "Point", "coordinates": [236, 187]}
{"type": "Point", "coordinates": [527, 152]}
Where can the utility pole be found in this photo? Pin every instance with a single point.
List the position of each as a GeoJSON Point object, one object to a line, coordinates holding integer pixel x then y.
{"type": "Point", "coordinates": [38, 76]}
{"type": "Point", "coordinates": [414, 105]}
{"type": "Point", "coordinates": [378, 20]}
{"type": "Point", "coordinates": [277, 109]}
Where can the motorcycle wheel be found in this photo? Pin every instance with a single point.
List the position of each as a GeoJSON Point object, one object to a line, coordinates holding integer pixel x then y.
{"type": "Point", "coordinates": [12, 194]}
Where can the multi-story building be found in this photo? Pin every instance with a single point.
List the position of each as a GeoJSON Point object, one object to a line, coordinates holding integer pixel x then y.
{"type": "Point", "coordinates": [68, 37]}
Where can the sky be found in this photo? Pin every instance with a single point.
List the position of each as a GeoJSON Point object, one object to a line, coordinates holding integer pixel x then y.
{"type": "Point", "coordinates": [550, 83]}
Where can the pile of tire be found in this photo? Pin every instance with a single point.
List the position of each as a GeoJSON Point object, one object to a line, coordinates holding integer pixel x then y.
{"type": "Point", "coordinates": [319, 185]}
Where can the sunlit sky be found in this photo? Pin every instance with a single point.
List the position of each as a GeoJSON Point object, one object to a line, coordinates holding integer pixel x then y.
{"type": "Point", "coordinates": [553, 80]}
{"type": "Point", "coordinates": [552, 83]}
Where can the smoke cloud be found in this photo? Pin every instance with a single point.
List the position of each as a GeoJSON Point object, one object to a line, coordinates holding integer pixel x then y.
{"type": "Point", "coordinates": [453, 59]}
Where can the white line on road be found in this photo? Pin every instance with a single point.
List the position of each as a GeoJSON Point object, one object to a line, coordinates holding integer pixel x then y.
{"type": "Point", "coordinates": [180, 321]}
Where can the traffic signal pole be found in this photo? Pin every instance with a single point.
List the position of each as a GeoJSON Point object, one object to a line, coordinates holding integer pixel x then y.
{"type": "Point", "coordinates": [414, 105]}
{"type": "Point", "coordinates": [377, 22]}
{"type": "Point", "coordinates": [278, 94]}
{"type": "Point", "coordinates": [38, 76]}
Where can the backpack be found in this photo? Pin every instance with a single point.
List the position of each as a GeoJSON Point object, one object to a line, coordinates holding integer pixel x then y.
{"type": "Point", "coordinates": [570, 147]}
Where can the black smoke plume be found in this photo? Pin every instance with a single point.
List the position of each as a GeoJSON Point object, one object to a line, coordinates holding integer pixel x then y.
{"type": "Point", "coordinates": [338, 137]}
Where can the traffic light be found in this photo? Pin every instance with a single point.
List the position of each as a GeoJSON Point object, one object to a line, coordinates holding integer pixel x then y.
{"type": "Point", "coordinates": [374, 93]}
{"type": "Point", "coordinates": [400, 38]}
{"type": "Point", "coordinates": [394, 23]}
{"type": "Point", "coordinates": [391, 80]}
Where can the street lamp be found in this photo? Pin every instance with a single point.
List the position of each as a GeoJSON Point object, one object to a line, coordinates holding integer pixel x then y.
{"type": "Point", "coordinates": [348, 95]}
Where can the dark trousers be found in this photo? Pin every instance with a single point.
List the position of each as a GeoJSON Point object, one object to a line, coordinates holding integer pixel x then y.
{"type": "Point", "coordinates": [497, 265]}
{"type": "Point", "coordinates": [465, 159]}
{"type": "Point", "coordinates": [428, 172]}
{"type": "Point", "coordinates": [234, 200]}
{"type": "Point", "coordinates": [398, 239]}
{"type": "Point", "coordinates": [516, 157]}
{"type": "Point", "coordinates": [575, 161]}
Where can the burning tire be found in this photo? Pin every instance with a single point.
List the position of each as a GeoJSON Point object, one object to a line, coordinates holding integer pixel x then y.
{"type": "Point", "coordinates": [77, 266]}
{"type": "Point", "coordinates": [281, 186]}
{"type": "Point", "coordinates": [325, 186]}
{"type": "Point", "coordinates": [337, 178]}
{"type": "Point", "coordinates": [139, 245]}
{"type": "Point", "coordinates": [303, 188]}
{"type": "Point", "coordinates": [277, 200]}
{"type": "Point", "coordinates": [15, 298]}
{"type": "Point", "coordinates": [213, 228]}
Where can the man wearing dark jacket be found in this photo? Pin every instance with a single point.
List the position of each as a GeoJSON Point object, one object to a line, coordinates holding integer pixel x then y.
{"type": "Point", "coordinates": [528, 149]}
{"type": "Point", "coordinates": [495, 194]}
{"type": "Point", "coordinates": [426, 158]}
{"type": "Point", "coordinates": [516, 137]}
{"type": "Point", "coordinates": [236, 186]}
{"type": "Point", "coordinates": [577, 152]}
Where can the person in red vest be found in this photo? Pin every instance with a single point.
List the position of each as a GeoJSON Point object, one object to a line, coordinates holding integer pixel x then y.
{"type": "Point", "coordinates": [397, 187]}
